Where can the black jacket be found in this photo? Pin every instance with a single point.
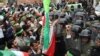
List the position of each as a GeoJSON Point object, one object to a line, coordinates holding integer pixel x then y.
{"type": "Point", "coordinates": [32, 54]}
{"type": "Point", "coordinates": [95, 51]}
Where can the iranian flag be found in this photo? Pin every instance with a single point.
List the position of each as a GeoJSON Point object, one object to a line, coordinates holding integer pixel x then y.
{"type": "Point", "coordinates": [13, 53]}
{"type": "Point", "coordinates": [48, 32]}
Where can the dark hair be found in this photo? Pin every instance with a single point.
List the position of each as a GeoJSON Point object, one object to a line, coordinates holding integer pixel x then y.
{"type": "Point", "coordinates": [25, 48]}
{"type": "Point", "coordinates": [88, 38]}
{"type": "Point", "coordinates": [62, 16]}
{"type": "Point", "coordinates": [2, 47]}
{"type": "Point", "coordinates": [28, 18]}
{"type": "Point", "coordinates": [44, 55]}
{"type": "Point", "coordinates": [43, 13]}
{"type": "Point", "coordinates": [54, 17]}
{"type": "Point", "coordinates": [58, 6]}
{"type": "Point", "coordinates": [21, 7]}
{"type": "Point", "coordinates": [10, 43]}
{"type": "Point", "coordinates": [31, 43]}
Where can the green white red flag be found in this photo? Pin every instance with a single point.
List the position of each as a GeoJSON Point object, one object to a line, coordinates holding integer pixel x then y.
{"type": "Point", "coordinates": [13, 53]}
{"type": "Point", "coordinates": [48, 32]}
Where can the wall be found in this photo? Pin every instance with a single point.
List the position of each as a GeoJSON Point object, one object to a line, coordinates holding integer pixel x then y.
{"type": "Point", "coordinates": [32, 1]}
{"type": "Point", "coordinates": [27, 1]}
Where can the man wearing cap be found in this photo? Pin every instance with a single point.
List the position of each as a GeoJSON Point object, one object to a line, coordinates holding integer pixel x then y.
{"type": "Point", "coordinates": [95, 30]}
{"type": "Point", "coordinates": [85, 37]}
{"type": "Point", "coordinates": [76, 29]}
{"type": "Point", "coordinates": [79, 22]}
{"type": "Point", "coordinates": [95, 51]}
{"type": "Point", "coordinates": [58, 28]}
{"type": "Point", "coordinates": [69, 38]}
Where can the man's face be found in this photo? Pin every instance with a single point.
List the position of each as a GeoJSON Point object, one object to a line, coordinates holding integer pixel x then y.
{"type": "Point", "coordinates": [35, 46]}
{"type": "Point", "coordinates": [28, 23]}
{"type": "Point", "coordinates": [98, 42]}
{"type": "Point", "coordinates": [8, 14]}
{"type": "Point", "coordinates": [94, 29]}
{"type": "Point", "coordinates": [68, 27]}
{"type": "Point", "coordinates": [84, 40]}
{"type": "Point", "coordinates": [15, 44]}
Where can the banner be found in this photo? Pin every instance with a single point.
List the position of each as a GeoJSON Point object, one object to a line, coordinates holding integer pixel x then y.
{"type": "Point", "coordinates": [75, 5]}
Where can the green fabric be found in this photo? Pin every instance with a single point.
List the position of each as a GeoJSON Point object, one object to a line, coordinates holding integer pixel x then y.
{"type": "Point", "coordinates": [41, 10]}
{"type": "Point", "coordinates": [3, 13]}
{"type": "Point", "coordinates": [23, 18]}
{"type": "Point", "coordinates": [29, 15]}
{"type": "Point", "coordinates": [6, 53]}
{"type": "Point", "coordinates": [20, 19]}
{"type": "Point", "coordinates": [27, 41]}
{"type": "Point", "coordinates": [6, 48]}
{"type": "Point", "coordinates": [19, 32]}
{"type": "Point", "coordinates": [54, 6]}
{"type": "Point", "coordinates": [46, 4]}
{"type": "Point", "coordinates": [46, 32]}
{"type": "Point", "coordinates": [69, 54]}
{"type": "Point", "coordinates": [12, 10]}
{"type": "Point", "coordinates": [21, 42]}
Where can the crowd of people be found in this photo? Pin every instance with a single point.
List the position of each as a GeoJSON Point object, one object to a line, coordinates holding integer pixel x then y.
{"type": "Point", "coordinates": [77, 29]}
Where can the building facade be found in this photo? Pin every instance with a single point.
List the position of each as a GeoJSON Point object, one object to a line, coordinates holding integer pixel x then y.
{"type": "Point", "coordinates": [33, 1]}
{"type": "Point", "coordinates": [38, 1]}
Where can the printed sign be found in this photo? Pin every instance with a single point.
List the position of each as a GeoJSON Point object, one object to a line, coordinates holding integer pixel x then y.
{"type": "Point", "coordinates": [75, 5]}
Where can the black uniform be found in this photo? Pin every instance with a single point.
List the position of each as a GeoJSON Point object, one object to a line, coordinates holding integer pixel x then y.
{"type": "Point", "coordinates": [95, 51]}
{"type": "Point", "coordinates": [60, 44]}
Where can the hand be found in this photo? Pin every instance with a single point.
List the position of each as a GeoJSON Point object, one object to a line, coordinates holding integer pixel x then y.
{"type": "Point", "coordinates": [55, 22]}
{"type": "Point", "coordinates": [30, 33]}
{"type": "Point", "coordinates": [39, 51]}
{"type": "Point", "coordinates": [1, 26]}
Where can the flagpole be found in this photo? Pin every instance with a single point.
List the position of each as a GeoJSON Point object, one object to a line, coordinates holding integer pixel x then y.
{"type": "Point", "coordinates": [41, 40]}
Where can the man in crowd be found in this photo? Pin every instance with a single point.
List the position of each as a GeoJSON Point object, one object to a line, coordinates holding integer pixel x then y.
{"type": "Point", "coordinates": [26, 22]}
{"type": "Point", "coordinates": [12, 45]}
{"type": "Point", "coordinates": [96, 49]}
{"type": "Point", "coordinates": [35, 49]}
